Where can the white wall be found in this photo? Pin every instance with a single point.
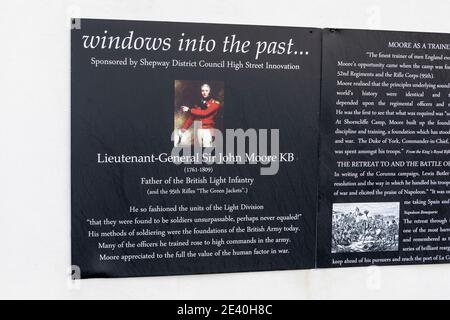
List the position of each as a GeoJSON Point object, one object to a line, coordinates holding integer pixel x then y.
{"type": "Point", "coordinates": [35, 151]}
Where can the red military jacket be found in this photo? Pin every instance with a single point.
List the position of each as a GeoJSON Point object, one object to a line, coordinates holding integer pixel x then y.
{"type": "Point", "coordinates": [206, 116]}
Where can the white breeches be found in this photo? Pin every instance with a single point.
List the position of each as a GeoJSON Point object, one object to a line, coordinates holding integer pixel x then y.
{"type": "Point", "coordinates": [204, 138]}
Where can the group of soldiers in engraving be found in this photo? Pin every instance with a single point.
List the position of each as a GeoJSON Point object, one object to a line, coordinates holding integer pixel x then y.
{"type": "Point", "coordinates": [358, 231]}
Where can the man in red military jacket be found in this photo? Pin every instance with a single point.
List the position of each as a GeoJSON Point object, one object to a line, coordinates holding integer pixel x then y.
{"type": "Point", "coordinates": [206, 113]}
